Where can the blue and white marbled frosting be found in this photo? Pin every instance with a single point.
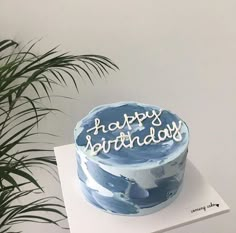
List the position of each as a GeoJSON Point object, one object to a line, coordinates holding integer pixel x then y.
{"type": "Point", "coordinates": [131, 157]}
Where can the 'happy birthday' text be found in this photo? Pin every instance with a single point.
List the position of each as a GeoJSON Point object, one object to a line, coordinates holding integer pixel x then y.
{"type": "Point", "coordinates": [126, 140]}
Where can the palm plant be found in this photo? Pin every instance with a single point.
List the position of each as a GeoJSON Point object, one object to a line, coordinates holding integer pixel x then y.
{"type": "Point", "coordinates": [23, 71]}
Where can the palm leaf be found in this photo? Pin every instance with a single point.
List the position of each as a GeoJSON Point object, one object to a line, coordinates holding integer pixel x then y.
{"type": "Point", "coordinates": [23, 71]}
{"type": "Point", "coordinates": [14, 213]}
{"type": "Point", "coordinates": [4, 44]}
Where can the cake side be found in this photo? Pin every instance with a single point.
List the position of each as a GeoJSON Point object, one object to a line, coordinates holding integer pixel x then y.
{"type": "Point", "coordinates": [131, 192]}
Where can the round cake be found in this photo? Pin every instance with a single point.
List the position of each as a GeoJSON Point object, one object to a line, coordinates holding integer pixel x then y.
{"type": "Point", "coordinates": [131, 157]}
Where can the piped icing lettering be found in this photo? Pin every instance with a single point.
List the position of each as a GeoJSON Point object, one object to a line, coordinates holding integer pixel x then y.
{"type": "Point", "coordinates": [125, 139]}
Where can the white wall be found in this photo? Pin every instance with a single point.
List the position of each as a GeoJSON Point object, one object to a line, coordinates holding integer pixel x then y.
{"type": "Point", "coordinates": [180, 55]}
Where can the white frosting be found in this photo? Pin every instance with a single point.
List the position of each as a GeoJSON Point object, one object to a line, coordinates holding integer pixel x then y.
{"type": "Point", "coordinates": [128, 120]}
{"type": "Point", "coordinates": [171, 131]}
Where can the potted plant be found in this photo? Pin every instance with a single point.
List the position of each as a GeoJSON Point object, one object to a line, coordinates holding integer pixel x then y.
{"type": "Point", "coordinates": [22, 71]}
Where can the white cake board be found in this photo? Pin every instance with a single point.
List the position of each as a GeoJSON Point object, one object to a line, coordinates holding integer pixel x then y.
{"type": "Point", "coordinates": [83, 217]}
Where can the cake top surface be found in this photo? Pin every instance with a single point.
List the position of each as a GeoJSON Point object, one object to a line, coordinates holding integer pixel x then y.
{"type": "Point", "coordinates": [131, 134]}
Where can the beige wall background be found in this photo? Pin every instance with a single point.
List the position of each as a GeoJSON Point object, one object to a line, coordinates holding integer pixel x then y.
{"type": "Point", "coordinates": [180, 55]}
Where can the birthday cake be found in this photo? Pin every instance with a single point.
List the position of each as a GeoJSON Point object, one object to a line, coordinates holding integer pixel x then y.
{"type": "Point", "coordinates": [131, 157]}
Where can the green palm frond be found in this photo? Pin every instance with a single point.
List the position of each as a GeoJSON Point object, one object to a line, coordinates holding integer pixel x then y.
{"type": "Point", "coordinates": [22, 71]}
{"type": "Point", "coordinates": [14, 213]}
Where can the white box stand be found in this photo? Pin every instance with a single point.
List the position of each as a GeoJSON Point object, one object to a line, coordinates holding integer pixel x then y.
{"type": "Point", "coordinates": [197, 201]}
